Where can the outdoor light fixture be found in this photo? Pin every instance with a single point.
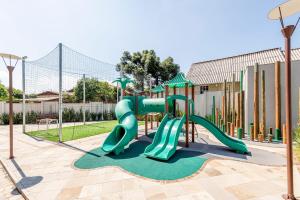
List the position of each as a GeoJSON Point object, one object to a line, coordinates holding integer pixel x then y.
{"type": "Point", "coordinates": [282, 11]}
{"type": "Point", "coordinates": [7, 59]}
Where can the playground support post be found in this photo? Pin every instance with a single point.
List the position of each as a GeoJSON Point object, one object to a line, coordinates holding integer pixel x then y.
{"type": "Point", "coordinates": [233, 99]}
{"type": "Point", "coordinates": [193, 123]}
{"type": "Point", "coordinates": [136, 113]}
{"type": "Point", "coordinates": [187, 115]}
{"type": "Point", "coordinates": [117, 92]}
{"type": "Point", "coordinates": [277, 101]}
{"type": "Point", "coordinates": [83, 79]}
{"type": "Point", "coordinates": [174, 102]}
{"type": "Point", "coordinates": [157, 116]}
{"type": "Point", "coordinates": [166, 99]}
{"type": "Point", "coordinates": [11, 114]}
{"type": "Point", "coordinates": [151, 116]}
{"type": "Point", "coordinates": [24, 97]}
{"type": "Point", "coordinates": [287, 33]}
{"type": "Point", "coordinates": [256, 101]}
{"type": "Point", "coordinates": [60, 109]}
{"type": "Point", "coordinates": [146, 124]}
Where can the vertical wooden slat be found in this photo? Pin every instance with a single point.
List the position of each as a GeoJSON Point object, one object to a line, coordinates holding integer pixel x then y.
{"type": "Point", "coordinates": [193, 123]}
{"type": "Point", "coordinates": [263, 91]}
{"type": "Point", "coordinates": [225, 104]}
{"type": "Point", "coordinates": [256, 102]}
{"type": "Point", "coordinates": [277, 101]}
{"type": "Point", "coordinates": [187, 115]}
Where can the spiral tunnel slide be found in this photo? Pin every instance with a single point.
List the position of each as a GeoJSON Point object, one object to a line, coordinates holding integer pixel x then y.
{"type": "Point", "coordinates": [127, 127]}
{"type": "Point", "coordinates": [125, 131]}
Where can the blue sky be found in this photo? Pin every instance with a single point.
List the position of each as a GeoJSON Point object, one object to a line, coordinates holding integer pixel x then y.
{"type": "Point", "coordinates": [187, 30]}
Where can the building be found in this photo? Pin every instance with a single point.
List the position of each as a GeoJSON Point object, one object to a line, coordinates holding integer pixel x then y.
{"type": "Point", "coordinates": [209, 76]}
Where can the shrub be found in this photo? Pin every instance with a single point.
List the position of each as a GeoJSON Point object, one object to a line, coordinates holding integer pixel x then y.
{"type": "Point", "coordinates": [68, 115]}
{"type": "Point", "coordinates": [18, 118]}
{"type": "Point", "coordinates": [94, 116]}
{"type": "Point", "coordinates": [31, 117]}
{"type": "Point", "coordinates": [5, 118]}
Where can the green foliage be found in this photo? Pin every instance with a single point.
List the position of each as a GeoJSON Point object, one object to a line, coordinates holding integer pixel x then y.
{"type": "Point", "coordinates": [3, 92]}
{"type": "Point", "coordinates": [139, 64]}
{"type": "Point", "coordinates": [4, 119]}
{"type": "Point", "coordinates": [69, 115]}
{"type": "Point", "coordinates": [95, 91]}
{"type": "Point", "coordinates": [67, 98]}
{"type": "Point", "coordinates": [18, 118]}
{"type": "Point", "coordinates": [31, 117]}
{"type": "Point", "coordinates": [17, 94]}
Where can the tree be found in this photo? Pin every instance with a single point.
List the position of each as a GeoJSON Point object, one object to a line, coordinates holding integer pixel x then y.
{"type": "Point", "coordinates": [17, 94]}
{"type": "Point", "coordinates": [169, 69]}
{"type": "Point", "coordinates": [95, 91]}
{"type": "Point", "coordinates": [3, 92]}
{"type": "Point", "coordinates": [140, 64]}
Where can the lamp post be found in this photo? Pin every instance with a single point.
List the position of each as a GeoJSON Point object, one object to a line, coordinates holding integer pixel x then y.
{"type": "Point", "coordinates": [284, 10]}
{"type": "Point", "coordinates": [10, 67]}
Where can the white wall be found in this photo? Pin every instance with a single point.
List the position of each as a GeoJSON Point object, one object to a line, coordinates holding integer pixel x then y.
{"type": "Point", "coordinates": [203, 102]}
{"type": "Point", "coordinates": [52, 107]}
{"type": "Point", "coordinates": [270, 94]}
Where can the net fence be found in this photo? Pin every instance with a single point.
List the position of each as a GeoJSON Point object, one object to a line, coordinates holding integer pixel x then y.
{"type": "Point", "coordinates": [86, 90]}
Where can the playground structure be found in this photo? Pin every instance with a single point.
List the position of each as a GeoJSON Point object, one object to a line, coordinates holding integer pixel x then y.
{"type": "Point", "coordinates": [166, 137]}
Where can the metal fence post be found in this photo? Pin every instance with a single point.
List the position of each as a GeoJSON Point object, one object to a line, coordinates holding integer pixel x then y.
{"type": "Point", "coordinates": [84, 99]}
{"type": "Point", "coordinates": [60, 93]}
{"type": "Point", "coordinates": [24, 97]}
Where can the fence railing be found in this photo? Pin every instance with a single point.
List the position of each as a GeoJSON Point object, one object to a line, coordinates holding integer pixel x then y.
{"type": "Point", "coordinates": [45, 108]}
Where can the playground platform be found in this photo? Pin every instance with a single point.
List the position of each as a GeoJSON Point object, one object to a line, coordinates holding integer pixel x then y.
{"type": "Point", "coordinates": [45, 170]}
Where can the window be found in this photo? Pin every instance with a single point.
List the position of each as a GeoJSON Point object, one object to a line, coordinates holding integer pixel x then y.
{"type": "Point", "coordinates": [203, 88]}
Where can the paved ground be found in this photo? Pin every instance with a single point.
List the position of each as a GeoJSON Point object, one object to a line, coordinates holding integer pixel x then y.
{"type": "Point", "coordinates": [44, 170]}
{"type": "Point", "coordinates": [7, 188]}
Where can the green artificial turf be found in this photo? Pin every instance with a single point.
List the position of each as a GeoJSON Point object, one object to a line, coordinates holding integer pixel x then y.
{"type": "Point", "coordinates": [182, 164]}
{"type": "Point", "coordinates": [76, 132]}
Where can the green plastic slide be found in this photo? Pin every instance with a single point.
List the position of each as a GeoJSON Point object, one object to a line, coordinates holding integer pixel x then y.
{"type": "Point", "coordinates": [166, 139]}
{"type": "Point", "coordinates": [125, 131]}
{"type": "Point", "coordinates": [232, 143]}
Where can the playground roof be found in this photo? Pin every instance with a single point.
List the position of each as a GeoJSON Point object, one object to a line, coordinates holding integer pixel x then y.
{"type": "Point", "coordinates": [159, 88]}
{"type": "Point", "coordinates": [178, 81]}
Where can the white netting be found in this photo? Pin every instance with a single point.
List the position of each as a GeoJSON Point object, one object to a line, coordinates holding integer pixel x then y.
{"type": "Point", "coordinates": [42, 88]}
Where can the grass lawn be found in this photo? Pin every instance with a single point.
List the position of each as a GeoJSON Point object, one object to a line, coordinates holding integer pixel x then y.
{"type": "Point", "coordinates": [77, 132]}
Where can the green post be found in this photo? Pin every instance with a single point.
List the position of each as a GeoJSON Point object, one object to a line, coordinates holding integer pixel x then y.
{"type": "Point", "coordinates": [214, 110]}
{"type": "Point", "coordinates": [240, 133]}
{"type": "Point", "coordinates": [277, 135]}
{"type": "Point", "coordinates": [241, 80]}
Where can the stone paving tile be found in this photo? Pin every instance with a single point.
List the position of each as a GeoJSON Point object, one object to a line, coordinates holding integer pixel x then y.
{"type": "Point", "coordinates": [220, 179]}
{"type": "Point", "coordinates": [7, 189]}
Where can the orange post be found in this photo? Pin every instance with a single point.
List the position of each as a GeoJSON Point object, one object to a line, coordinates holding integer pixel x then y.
{"type": "Point", "coordinates": [283, 134]}
{"type": "Point", "coordinates": [166, 99]}
{"type": "Point", "coordinates": [157, 116]}
{"type": "Point", "coordinates": [151, 116]}
{"type": "Point", "coordinates": [193, 124]}
{"type": "Point", "coordinates": [146, 124]}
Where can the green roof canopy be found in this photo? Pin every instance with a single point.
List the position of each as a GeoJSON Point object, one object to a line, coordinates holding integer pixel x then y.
{"type": "Point", "coordinates": [179, 81]}
{"type": "Point", "coordinates": [123, 81]}
{"type": "Point", "coordinates": [159, 88]}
